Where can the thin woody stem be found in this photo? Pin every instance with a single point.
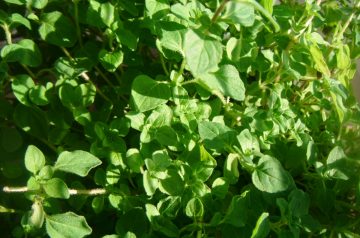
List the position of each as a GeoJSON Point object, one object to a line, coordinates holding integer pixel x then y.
{"type": "Point", "coordinates": [89, 192]}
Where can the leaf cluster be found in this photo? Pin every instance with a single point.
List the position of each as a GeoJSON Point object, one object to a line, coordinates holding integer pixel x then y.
{"type": "Point", "coordinates": [179, 118]}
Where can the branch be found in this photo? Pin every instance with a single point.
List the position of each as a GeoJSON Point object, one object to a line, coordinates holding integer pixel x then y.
{"type": "Point", "coordinates": [89, 192]}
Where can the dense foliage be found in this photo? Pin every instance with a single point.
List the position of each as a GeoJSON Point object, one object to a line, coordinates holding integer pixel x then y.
{"type": "Point", "coordinates": [179, 118]}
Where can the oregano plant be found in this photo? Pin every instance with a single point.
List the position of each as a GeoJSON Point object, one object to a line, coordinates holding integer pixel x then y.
{"type": "Point", "coordinates": [179, 118]}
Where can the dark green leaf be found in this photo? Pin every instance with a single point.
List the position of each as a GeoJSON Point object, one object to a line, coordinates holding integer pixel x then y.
{"type": "Point", "coordinates": [57, 29]}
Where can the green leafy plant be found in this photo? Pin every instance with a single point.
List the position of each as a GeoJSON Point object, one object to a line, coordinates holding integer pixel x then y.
{"type": "Point", "coordinates": [179, 118]}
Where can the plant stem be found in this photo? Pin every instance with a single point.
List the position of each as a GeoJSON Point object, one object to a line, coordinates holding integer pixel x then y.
{"type": "Point", "coordinates": [104, 76]}
{"type": "Point", "coordinates": [181, 70]}
{"type": "Point", "coordinates": [78, 32]}
{"type": "Point", "coordinates": [163, 65]}
{"type": "Point", "coordinates": [347, 23]}
{"type": "Point", "coordinates": [7, 34]}
{"type": "Point", "coordinates": [87, 78]}
{"type": "Point", "coordinates": [263, 11]}
{"type": "Point", "coordinates": [29, 71]}
{"type": "Point", "coordinates": [190, 82]}
{"type": "Point", "coordinates": [218, 11]}
{"type": "Point", "coordinates": [89, 192]}
{"type": "Point", "coordinates": [308, 21]}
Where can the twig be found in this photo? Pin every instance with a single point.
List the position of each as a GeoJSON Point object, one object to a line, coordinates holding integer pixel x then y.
{"type": "Point", "coordinates": [89, 192]}
{"type": "Point", "coordinates": [347, 23]}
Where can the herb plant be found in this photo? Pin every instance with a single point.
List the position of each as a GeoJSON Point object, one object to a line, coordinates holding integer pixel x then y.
{"type": "Point", "coordinates": [179, 118]}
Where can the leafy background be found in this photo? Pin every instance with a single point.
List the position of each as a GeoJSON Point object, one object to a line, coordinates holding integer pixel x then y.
{"type": "Point", "coordinates": [164, 118]}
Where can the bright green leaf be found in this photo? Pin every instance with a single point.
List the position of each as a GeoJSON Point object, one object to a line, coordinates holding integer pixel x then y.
{"type": "Point", "coordinates": [25, 52]}
{"type": "Point", "coordinates": [77, 162]}
{"type": "Point", "coordinates": [202, 53]}
{"type": "Point", "coordinates": [227, 81]}
{"type": "Point", "coordinates": [67, 225]}
{"type": "Point", "coordinates": [56, 188]}
{"type": "Point", "coordinates": [239, 13]}
{"type": "Point", "coordinates": [34, 159]}
{"type": "Point", "coordinates": [194, 208]}
{"type": "Point", "coordinates": [150, 184]}
{"type": "Point", "coordinates": [269, 175]}
{"type": "Point", "coordinates": [111, 60]}
{"type": "Point", "coordinates": [262, 227]}
{"type": "Point", "coordinates": [147, 93]}
{"type": "Point", "coordinates": [21, 86]}
{"type": "Point", "coordinates": [216, 135]}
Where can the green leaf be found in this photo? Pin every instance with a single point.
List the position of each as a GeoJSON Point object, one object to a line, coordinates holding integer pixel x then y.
{"type": "Point", "coordinates": [31, 120]}
{"type": "Point", "coordinates": [239, 13]}
{"type": "Point", "coordinates": [339, 166]}
{"type": "Point", "coordinates": [46, 172]}
{"type": "Point", "coordinates": [237, 212]}
{"type": "Point", "coordinates": [173, 184]}
{"type": "Point", "coordinates": [202, 53]}
{"type": "Point", "coordinates": [262, 227]}
{"type": "Point", "coordinates": [77, 162]}
{"type": "Point", "coordinates": [79, 96]}
{"type": "Point", "coordinates": [25, 52]}
{"type": "Point", "coordinates": [21, 86]}
{"type": "Point", "coordinates": [157, 8]}
{"type": "Point", "coordinates": [269, 176]}
{"type": "Point", "coordinates": [248, 142]}
{"type": "Point", "coordinates": [165, 226]}
{"type": "Point", "coordinates": [150, 184]}
{"type": "Point", "coordinates": [343, 59]}
{"type": "Point", "coordinates": [134, 160]}
{"type": "Point", "coordinates": [127, 38]}
{"type": "Point", "coordinates": [34, 159]}
{"type": "Point", "coordinates": [56, 188]}
{"type": "Point", "coordinates": [147, 93]}
{"type": "Point", "coordinates": [173, 36]}
{"type": "Point", "coordinates": [169, 206]}
{"type": "Point", "coordinates": [107, 13]}
{"type": "Point", "coordinates": [216, 135]}
{"type": "Point", "coordinates": [268, 5]}
{"type": "Point", "coordinates": [299, 203]}
{"type": "Point", "coordinates": [37, 215]}
{"type": "Point", "coordinates": [220, 187]}
{"type": "Point", "coordinates": [17, 18]}
{"type": "Point", "coordinates": [57, 29]}
{"type": "Point", "coordinates": [167, 136]}
{"type": "Point", "coordinates": [194, 208]}
{"type": "Point", "coordinates": [67, 225]}
{"type": "Point", "coordinates": [231, 171]}
{"type": "Point", "coordinates": [320, 63]}
{"type": "Point", "coordinates": [37, 95]}
{"type": "Point", "coordinates": [111, 60]}
{"type": "Point", "coordinates": [227, 81]}
{"type": "Point", "coordinates": [39, 4]}
{"type": "Point", "coordinates": [16, 2]}
{"type": "Point", "coordinates": [98, 204]}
